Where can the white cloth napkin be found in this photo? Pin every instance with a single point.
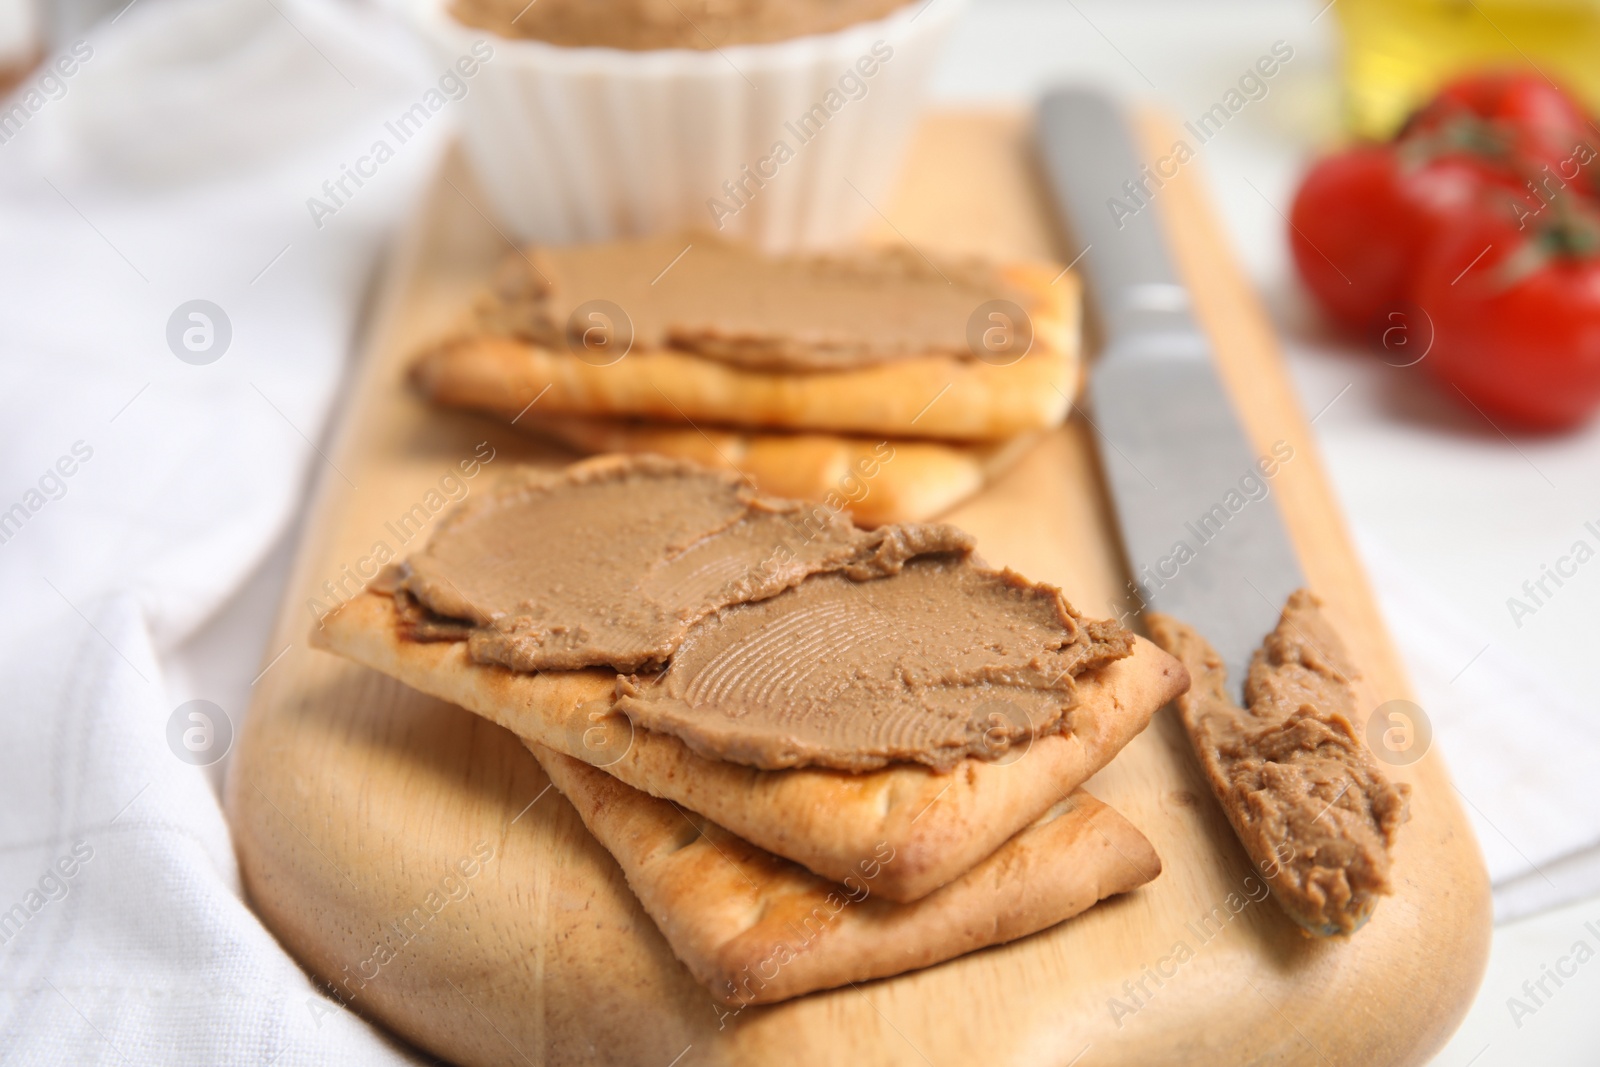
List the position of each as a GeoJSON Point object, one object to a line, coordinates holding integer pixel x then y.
{"type": "Point", "coordinates": [1522, 753]}
{"type": "Point", "coordinates": [137, 491]}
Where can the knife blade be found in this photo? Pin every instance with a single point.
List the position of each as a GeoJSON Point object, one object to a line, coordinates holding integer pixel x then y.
{"type": "Point", "coordinates": [1200, 525]}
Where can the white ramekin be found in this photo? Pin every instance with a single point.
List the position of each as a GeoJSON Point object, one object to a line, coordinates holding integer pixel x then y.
{"type": "Point", "coordinates": [581, 144]}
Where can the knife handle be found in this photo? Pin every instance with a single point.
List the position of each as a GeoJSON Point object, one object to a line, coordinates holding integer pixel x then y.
{"type": "Point", "coordinates": [1105, 191]}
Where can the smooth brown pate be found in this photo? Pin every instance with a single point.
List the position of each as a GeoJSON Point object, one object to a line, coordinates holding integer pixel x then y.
{"type": "Point", "coordinates": [1309, 803]}
{"type": "Point", "coordinates": [761, 631]}
{"type": "Point", "coordinates": [637, 25]}
{"type": "Point", "coordinates": [723, 301]}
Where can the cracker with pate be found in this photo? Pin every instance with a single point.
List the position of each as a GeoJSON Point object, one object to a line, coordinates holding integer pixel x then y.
{"type": "Point", "coordinates": [940, 824]}
{"type": "Point", "coordinates": [877, 343]}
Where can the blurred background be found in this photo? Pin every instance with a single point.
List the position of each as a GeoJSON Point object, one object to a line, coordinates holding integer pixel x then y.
{"type": "Point", "coordinates": [174, 163]}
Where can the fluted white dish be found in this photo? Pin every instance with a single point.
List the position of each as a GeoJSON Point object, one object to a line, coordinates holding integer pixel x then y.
{"type": "Point", "coordinates": [580, 144]}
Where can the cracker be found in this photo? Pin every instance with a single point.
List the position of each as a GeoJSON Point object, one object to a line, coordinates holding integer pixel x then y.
{"type": "Point", "coordinates": [939, 824]}
{"type": "Point", "coordinates": [874, 479]}
{"type": "Point", "coordinates": [755, 928]}
{"type": "Point", "coordinates": [942, 397]}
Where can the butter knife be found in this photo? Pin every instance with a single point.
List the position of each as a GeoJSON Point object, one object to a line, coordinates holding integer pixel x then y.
{"type": "Point", "coordinates": [1200, 526]}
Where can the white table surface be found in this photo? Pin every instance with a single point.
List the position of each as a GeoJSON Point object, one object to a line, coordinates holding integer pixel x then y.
{"type": "Point", "coordinates": [1469, 515]}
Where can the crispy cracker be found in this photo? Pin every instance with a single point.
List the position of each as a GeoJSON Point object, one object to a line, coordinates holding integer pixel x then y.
{"type": "Point", "coordinates": [939, 824]}
{"type": "Point", "coordinates": [943, 397]}
{"type": "Point", "coordinates": [755, 928]}
{"type": "Point", "coordinates": [874, 479]}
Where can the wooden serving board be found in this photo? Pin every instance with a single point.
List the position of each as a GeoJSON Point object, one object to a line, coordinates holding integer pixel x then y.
{"type": "Point", "coordinates": [357, 804]}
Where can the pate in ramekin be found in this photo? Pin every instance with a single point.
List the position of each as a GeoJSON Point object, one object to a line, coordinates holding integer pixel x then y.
{"type": "Point", "coordinates": [788, 143]}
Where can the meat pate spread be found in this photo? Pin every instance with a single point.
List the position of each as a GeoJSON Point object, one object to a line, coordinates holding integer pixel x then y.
{"type": "Point", "coordinates": [719, 300]}
{"type": "Point", "coordinates": [638, 25]}
{"type": "Point", "coordinates": [761, 631]}
{"type": "Point", "coordinates": [1305, 796]}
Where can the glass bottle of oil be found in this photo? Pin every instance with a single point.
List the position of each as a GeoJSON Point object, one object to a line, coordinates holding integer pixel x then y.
{"type": "Point", "coordinates": [1397, 52]}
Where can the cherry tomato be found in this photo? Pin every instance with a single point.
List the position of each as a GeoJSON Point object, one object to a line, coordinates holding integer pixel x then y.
{"type": "Point", "coordinates": [1512, 114]}
{"type": "Point", "coordinates": [1363, 217]}
{"type": "Point", "coordinates": [1516, 316]}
